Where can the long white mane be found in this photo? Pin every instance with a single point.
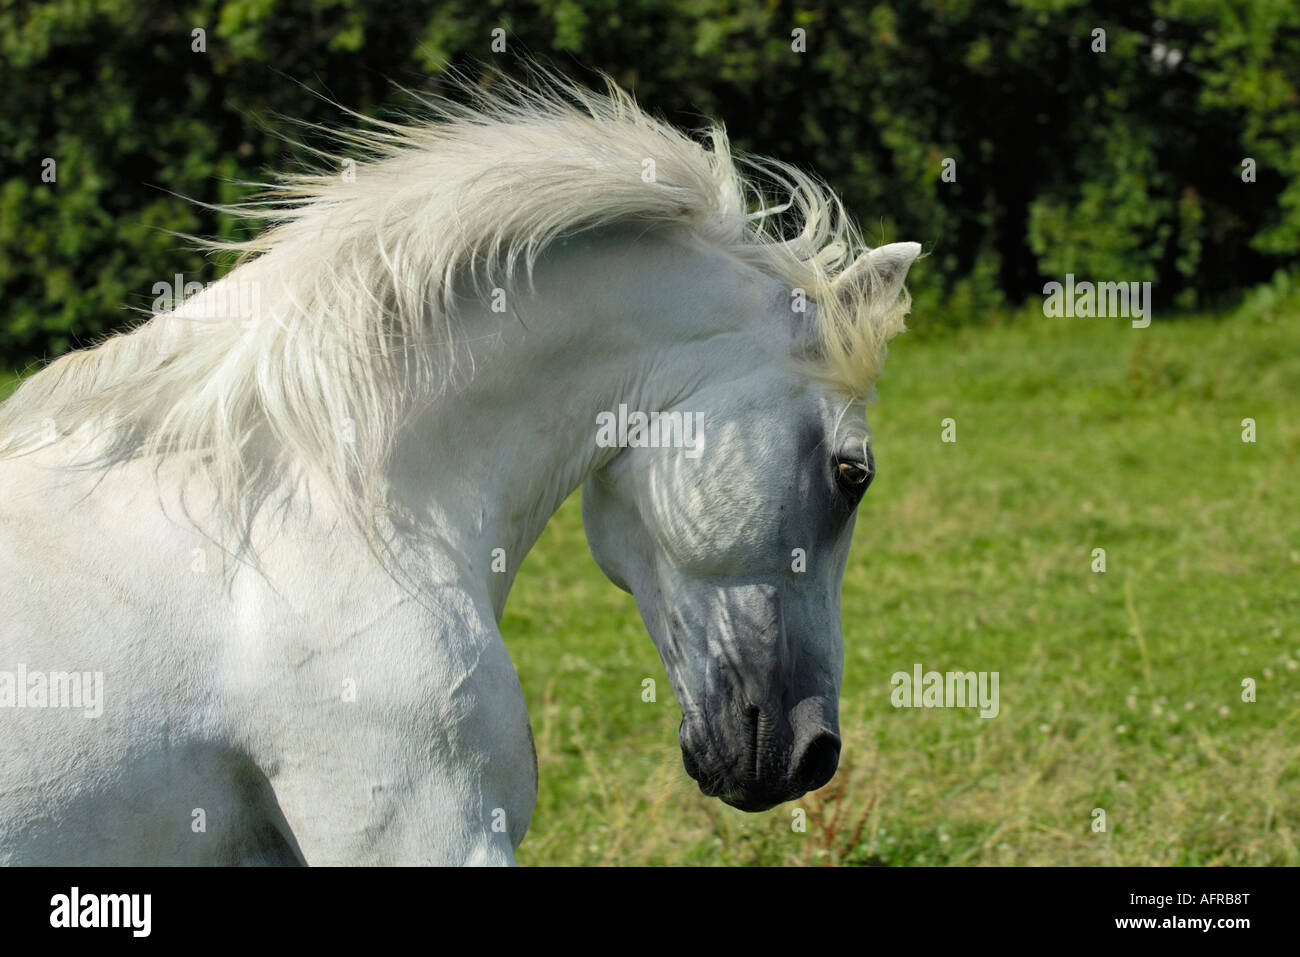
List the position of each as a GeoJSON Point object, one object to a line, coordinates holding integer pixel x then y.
{"type": "Point", "coordinates": [352, 321]}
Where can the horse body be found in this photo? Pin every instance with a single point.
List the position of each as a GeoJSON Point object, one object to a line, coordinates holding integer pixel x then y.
{"type": "Point", "coordinates": [224, 692]}
{"type": "Point", "coordinates": [303, 699]}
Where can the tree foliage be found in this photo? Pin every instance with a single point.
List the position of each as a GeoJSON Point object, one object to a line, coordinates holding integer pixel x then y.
{"type": "Point", "coordinates": [1123, 165]}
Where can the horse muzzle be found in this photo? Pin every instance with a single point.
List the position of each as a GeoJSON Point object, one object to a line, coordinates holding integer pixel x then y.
{"type": "Point", "coordinates": [759, 758]}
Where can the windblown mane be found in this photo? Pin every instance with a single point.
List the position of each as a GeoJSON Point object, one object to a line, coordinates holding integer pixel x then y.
{"type": "Point", "coordinates": [352, 320]}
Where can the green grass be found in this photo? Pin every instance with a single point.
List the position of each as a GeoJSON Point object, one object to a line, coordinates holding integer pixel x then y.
{"type": "Point", "coordinates": [1119, 691]}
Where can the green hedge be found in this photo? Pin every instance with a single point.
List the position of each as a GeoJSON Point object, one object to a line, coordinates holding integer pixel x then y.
{"type": "Point", "coordinates": [1124, 164]}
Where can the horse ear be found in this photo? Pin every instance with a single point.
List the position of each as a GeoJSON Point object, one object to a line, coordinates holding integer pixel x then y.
{"type": "Point", "coordinates": [881, 270]}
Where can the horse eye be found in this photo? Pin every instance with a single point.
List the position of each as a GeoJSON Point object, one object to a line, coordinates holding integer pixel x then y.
{"type": "Point", "coordinates": [855, 476]}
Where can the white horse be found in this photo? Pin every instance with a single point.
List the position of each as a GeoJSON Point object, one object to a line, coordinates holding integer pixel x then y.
{"type": "Point", "coordinates": [253, 554]}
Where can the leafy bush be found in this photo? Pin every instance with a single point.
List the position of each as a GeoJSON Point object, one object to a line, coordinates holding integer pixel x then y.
{"type": "Point", "coordinates": [1126, 164]}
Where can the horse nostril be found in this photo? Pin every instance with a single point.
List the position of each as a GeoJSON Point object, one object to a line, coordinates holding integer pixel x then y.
{"type": "Point", "coordinates": [818, 762]}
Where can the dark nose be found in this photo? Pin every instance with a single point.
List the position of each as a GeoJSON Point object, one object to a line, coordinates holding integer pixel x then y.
{"type": "Point", "coordinates": [761, 760]}
{"type": "Point", "coordinates": [816, 765]}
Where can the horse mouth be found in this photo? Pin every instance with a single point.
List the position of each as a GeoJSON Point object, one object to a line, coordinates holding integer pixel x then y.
{"type": "Point", "coordinates": [751, 800]}
{"type": "Point", "coordinates": [751, 805]}
{"type": "Point", "coordinates": [754, 779]}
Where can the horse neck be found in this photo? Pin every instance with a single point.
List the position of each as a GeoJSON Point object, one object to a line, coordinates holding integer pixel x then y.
{"type": "Point", "coordinates": [611, 319]}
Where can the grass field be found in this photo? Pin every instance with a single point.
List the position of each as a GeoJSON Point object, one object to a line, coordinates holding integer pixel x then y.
{"type": "Point", "coordinates": [1119, 690]}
